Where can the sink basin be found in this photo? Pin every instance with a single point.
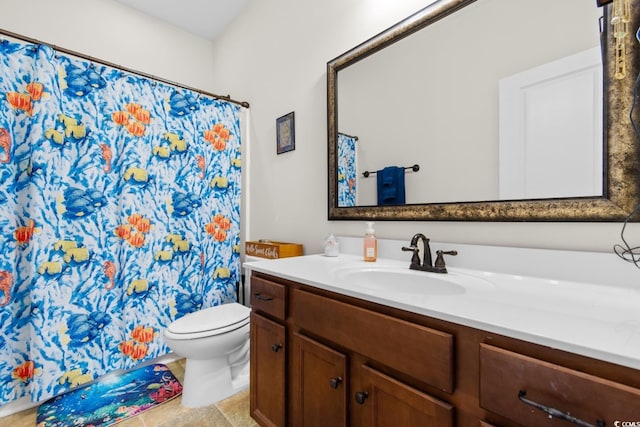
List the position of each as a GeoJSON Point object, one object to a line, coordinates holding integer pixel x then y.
{"type": "Point", "coordinates": [386, 279]}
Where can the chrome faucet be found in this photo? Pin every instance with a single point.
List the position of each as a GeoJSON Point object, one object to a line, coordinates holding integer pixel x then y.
{"type": "Point", "coordinates": [426, 264]}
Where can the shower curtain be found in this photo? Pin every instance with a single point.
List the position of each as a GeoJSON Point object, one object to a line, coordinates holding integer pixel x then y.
{"type": "Point", "coordinates": [119, 212]}
{"type": "Point", "coordinates": [347, 177]}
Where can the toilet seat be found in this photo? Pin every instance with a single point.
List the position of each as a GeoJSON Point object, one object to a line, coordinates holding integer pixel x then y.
{"type": "Point", "coordinates": [216, 320]}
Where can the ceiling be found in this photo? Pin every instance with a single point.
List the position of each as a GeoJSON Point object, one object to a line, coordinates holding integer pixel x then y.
{"type": "Point", "coordinates": [206, 18]}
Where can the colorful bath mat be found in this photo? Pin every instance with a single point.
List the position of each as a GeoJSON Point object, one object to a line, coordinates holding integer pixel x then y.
{"type": "Point", "coordinates": [111, 399]}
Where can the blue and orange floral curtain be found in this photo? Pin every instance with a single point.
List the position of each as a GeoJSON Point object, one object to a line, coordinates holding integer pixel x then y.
{"type": "Point", "coordinates": [119, 212]}
{"type": "Point", "coordinates": [347, 178]}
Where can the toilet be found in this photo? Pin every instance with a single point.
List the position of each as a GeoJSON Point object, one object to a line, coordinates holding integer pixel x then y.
{"type": "Point", "coordinates": [215, 343]}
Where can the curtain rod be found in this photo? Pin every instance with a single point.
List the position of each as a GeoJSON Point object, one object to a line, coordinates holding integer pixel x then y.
{"type": "Point", "coordinates": [349, 136]}
{"type": "Point", "coordinates": [120, 67]}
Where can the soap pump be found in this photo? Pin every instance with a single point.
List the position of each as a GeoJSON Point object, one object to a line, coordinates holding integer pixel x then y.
{"type": "Point", "coordinates": [370, 244]}
{"type": "Point", "coordinates": [331, 246]}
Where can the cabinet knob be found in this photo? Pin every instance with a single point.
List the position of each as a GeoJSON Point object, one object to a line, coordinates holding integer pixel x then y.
{"type": "Point", "coordinates": [361, 396]}
{"type": "Point", "coordinates": [276, 347]}
{"type": "Point", "coordinates": [335, 382]}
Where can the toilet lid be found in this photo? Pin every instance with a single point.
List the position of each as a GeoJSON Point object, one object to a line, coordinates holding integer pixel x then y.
{"type": "Point", "coordinates": [217, 319]}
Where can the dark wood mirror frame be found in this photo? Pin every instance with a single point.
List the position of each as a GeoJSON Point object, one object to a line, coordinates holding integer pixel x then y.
{"type": "Point", "coordinates": [622, 145]}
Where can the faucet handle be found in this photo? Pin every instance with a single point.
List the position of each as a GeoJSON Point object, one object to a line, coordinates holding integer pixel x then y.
{"type": "Point", "coordinates": [440, 265]}
{"type": "Point", "coordinates": [415, 259]}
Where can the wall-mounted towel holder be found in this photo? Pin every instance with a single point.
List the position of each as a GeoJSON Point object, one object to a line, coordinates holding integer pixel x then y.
{"type": "Point", "coordinates": [414, 168]}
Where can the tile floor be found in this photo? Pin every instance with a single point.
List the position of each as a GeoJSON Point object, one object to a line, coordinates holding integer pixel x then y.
{"type": "Point", "coordinates": [231, 412]}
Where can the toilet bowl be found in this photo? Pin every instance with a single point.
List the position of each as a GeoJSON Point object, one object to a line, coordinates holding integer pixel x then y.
{"type": "Point", "coordinates": [215, 343]}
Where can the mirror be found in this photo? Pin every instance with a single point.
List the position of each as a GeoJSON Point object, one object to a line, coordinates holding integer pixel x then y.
{"type": "Point", "coordinates": [449, 184]}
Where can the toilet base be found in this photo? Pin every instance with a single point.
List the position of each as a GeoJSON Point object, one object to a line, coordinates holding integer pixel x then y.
{"type": "Point", "coordinates": [209, 381]}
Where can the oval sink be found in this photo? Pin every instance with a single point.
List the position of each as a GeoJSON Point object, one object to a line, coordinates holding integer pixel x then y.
{"type": "Point", "coordinates": [387, 279]}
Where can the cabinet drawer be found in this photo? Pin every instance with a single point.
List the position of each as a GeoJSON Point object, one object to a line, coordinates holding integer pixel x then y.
{"type": "Point", "coordinates": [418, 351]}
{"type": "Point", "coordinates": [506, 378]}
{"type": "Point", "coordinates": [268, 297]}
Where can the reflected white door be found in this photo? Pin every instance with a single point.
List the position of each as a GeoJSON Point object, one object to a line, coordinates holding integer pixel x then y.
{"type": "Point", "coordinates": [551, 130]}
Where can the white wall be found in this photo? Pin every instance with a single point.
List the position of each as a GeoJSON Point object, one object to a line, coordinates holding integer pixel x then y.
{"type": "Point", "coordinates": [109, 31]}
{"type": "Point", "coordinates": [274, 55]}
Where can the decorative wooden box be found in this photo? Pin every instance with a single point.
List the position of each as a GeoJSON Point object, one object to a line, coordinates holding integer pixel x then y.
{"type": "Point", "coordinates": [272, 250]}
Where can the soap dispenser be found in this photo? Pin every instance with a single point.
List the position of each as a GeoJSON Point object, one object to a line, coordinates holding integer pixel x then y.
{"type": "Point", "coordinates": [370, 244]}
{"type": "Point", "coordinates": [331, 246]}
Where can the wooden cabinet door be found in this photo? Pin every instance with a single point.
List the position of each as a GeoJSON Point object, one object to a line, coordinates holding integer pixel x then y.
{"type": "Point", "coordinates": [268, 361]}
{"type": "Point", "coordinates": [319, 384]}
{"type": "Point", "coordinates": [387, 402]}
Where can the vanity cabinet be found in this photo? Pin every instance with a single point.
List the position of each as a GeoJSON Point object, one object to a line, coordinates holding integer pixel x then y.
{"type": "Point", "coordinates": [325, 389]}
{"type": "Point", "coordinates": [405, 347]}
{"type": "Point", "coordinates": [325, 392]}
{"type": "Point", "coordinates": [345, 361]}
{"type": "Point", "coordinates": [268, 353]}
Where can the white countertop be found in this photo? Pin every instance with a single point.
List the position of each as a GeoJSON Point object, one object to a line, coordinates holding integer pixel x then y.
{"type": "Point", "coordinates": [593, 320]}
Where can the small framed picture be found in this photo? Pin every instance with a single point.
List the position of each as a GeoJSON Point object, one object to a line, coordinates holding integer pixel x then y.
{"type": "Point", "coordinates": [285, 132]}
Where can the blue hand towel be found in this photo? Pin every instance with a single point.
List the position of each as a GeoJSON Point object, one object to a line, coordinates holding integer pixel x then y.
{"type": "Point", "coordinates": [391, 186]}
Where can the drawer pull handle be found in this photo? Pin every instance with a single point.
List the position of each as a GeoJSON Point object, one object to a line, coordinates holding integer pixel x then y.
{"type": "Point", "coordinates": [335, 382]}
{"type": "Point", "coordinates": [276, 347]}
{"type": "Point", "coordinates": [361, 396]}
{"type": "Point", "coordinates": [260, 297]}
{"type": "Point", "coordinates": [556, 413]}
